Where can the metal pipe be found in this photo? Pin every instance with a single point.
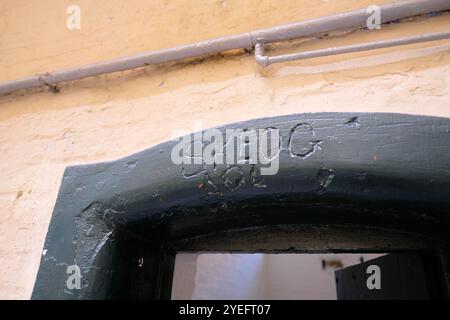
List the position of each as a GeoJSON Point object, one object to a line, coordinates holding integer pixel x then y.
{"type": "Point", "coordinates": [264, 61]}
{"type": "Point", "coordinates": [348, 20]}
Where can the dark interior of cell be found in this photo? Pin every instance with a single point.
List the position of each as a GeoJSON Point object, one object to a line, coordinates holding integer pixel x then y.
{"type": "Point", "coordinates": [139, 259]}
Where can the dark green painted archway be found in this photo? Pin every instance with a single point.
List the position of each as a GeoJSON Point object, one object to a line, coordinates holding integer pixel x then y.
{"type": "Point", "coordinates": [378, 171]}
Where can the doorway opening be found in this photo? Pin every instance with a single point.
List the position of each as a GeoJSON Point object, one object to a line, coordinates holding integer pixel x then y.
{"type": "Point", "coordinates": [313, 276]}
{"type": "Point", "coordinates": [246, 276]}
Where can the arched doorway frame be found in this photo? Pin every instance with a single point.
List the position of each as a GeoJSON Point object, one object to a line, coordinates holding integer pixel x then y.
{"type": "Point", "coordinates": [380, 173]}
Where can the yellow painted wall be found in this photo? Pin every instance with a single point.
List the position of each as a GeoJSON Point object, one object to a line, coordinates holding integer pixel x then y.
{"type": "Point", "coordinates": [108, 117]}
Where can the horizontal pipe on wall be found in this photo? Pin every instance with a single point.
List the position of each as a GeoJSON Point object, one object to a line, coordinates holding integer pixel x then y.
{"type": "Point", "coordinates": [264, 61]}
{"type": "Point", "coordinates": [348, 20]}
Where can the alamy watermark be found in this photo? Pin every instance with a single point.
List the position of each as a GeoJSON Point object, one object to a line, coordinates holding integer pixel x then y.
{"type": "Point", "coordinates": [373, 282]}
{"type": "Point", "coordinates": [74, 279]}
{"type": "Point", "coordinates": [232, 147]}
{"type": "Point", "coordinates": [374, 19]}
{"type": "Point", "coordinates": [73, 21]}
